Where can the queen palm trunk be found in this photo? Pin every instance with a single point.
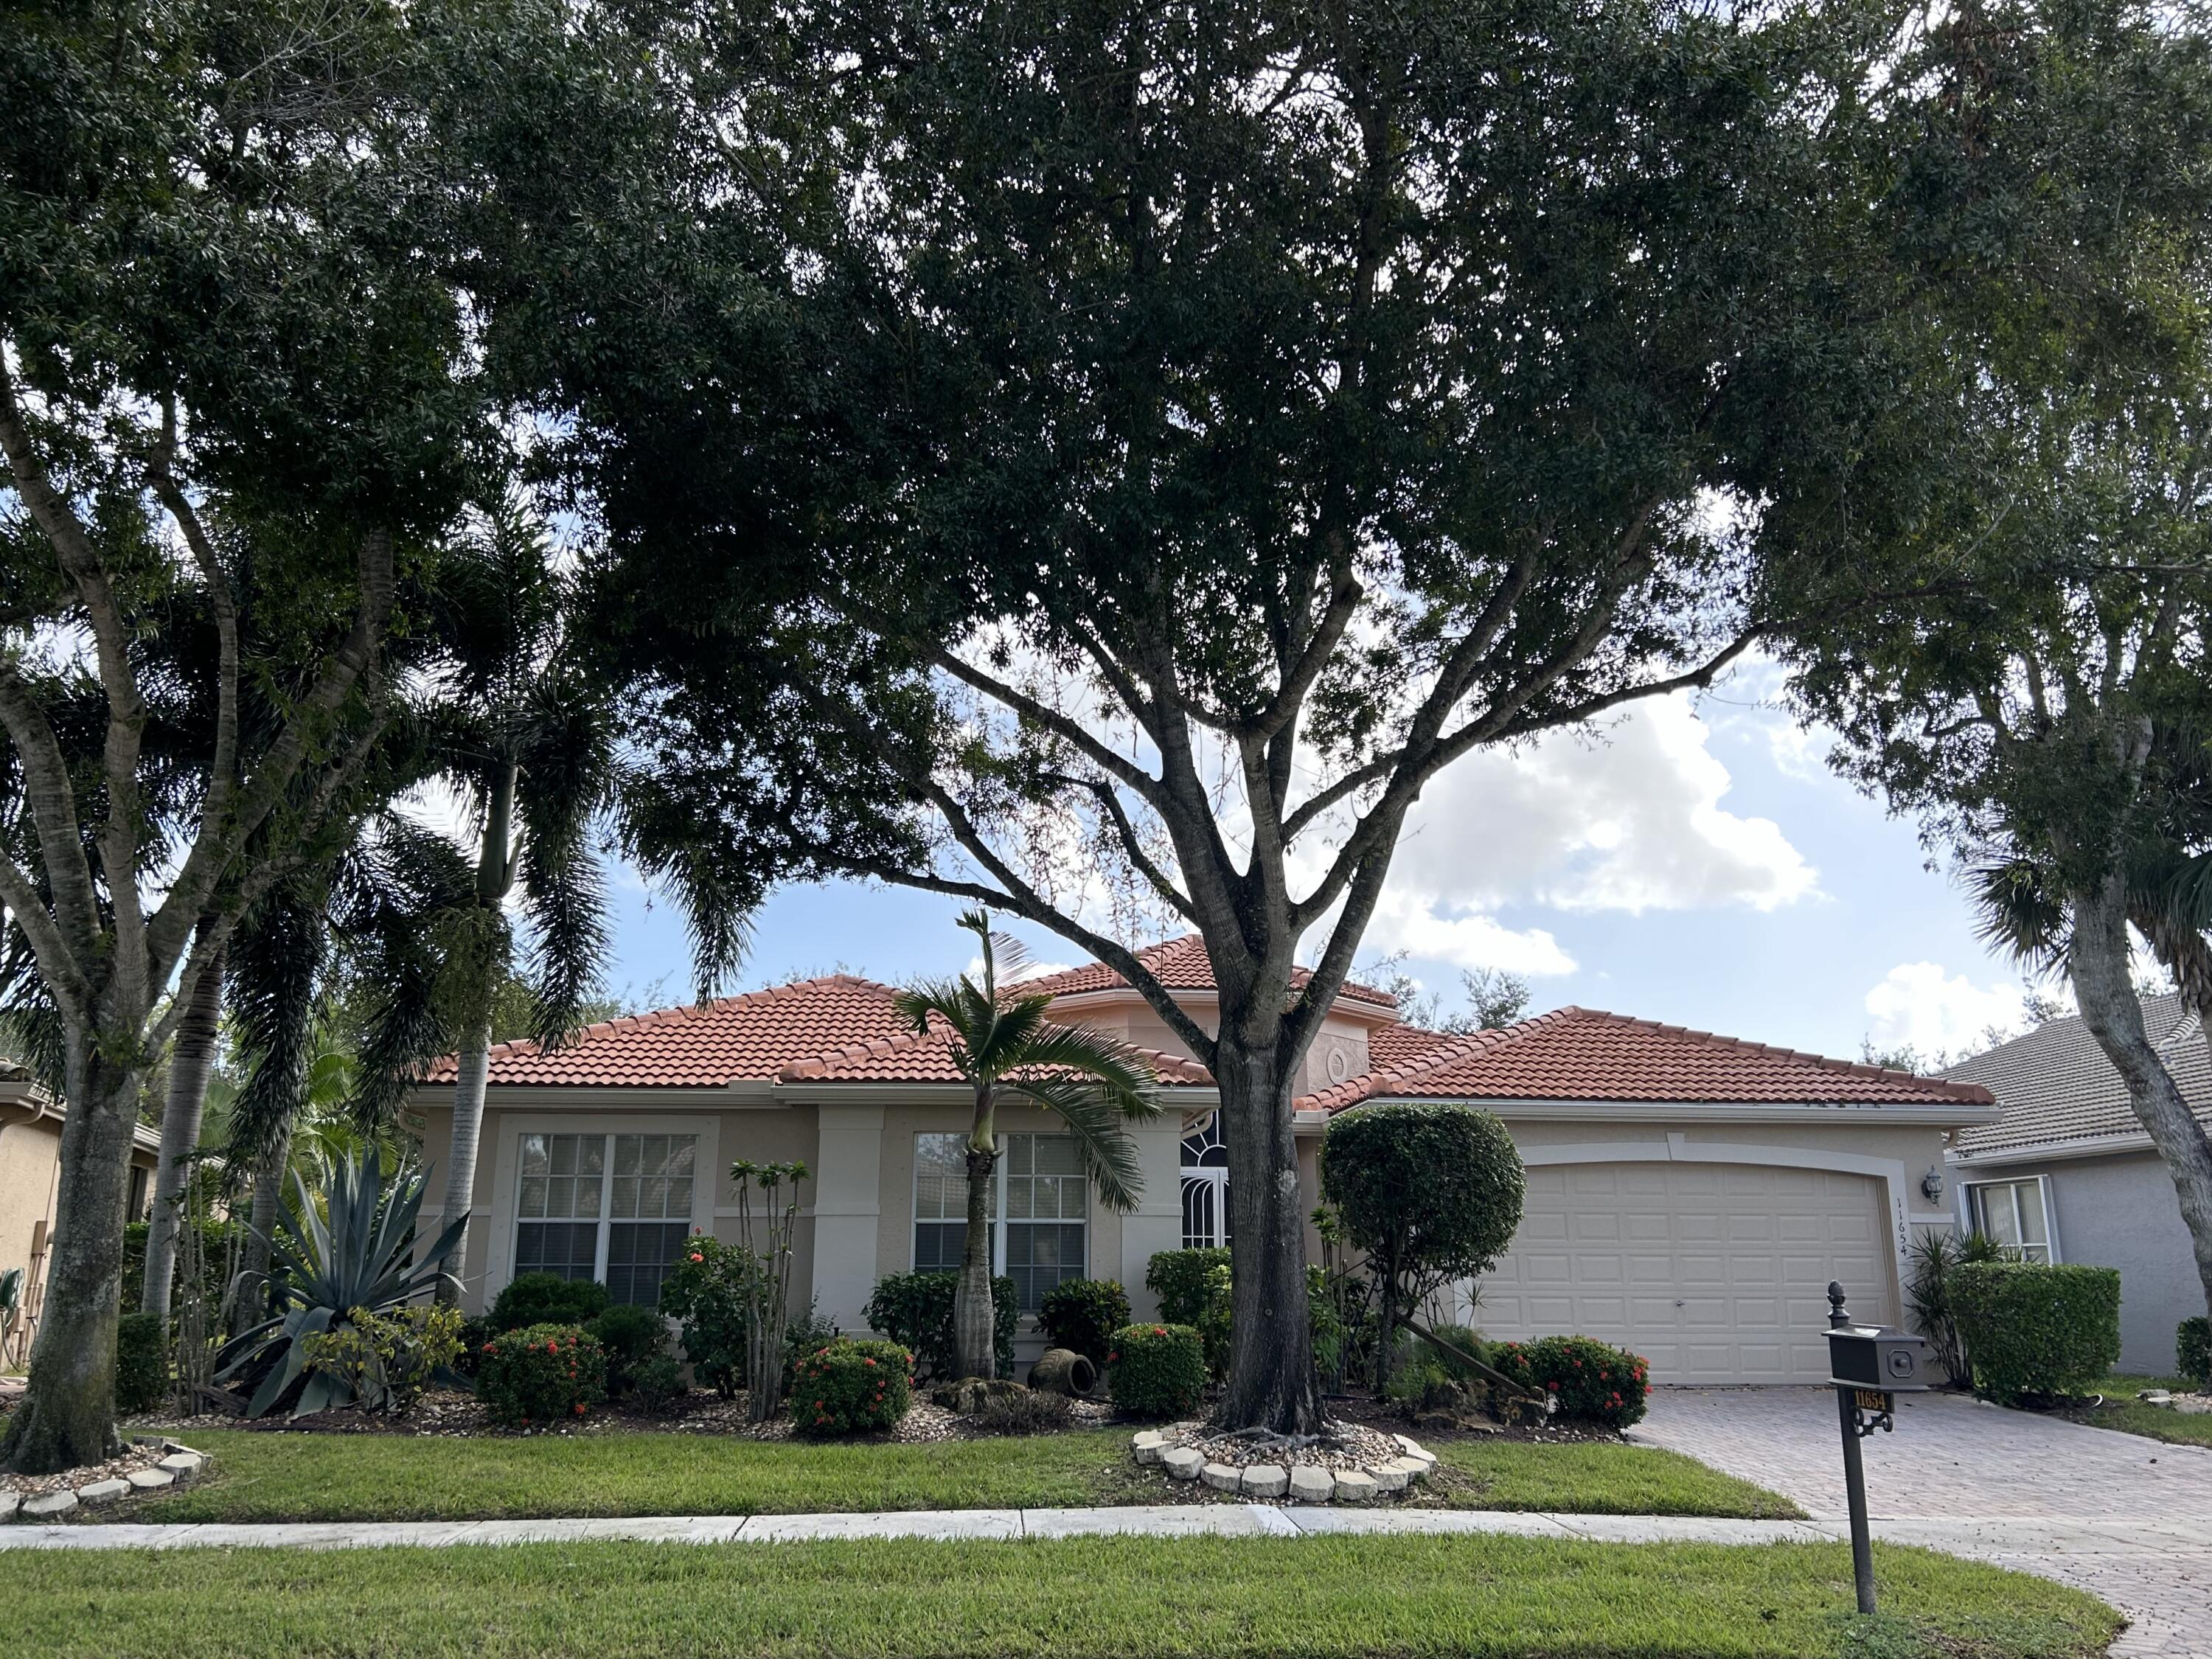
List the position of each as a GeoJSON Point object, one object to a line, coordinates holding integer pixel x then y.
{"type": "Point", "coordinates": [1272, 1384]}
{"type": "Point", "coordinates": [67, 1418]}
{"type": "Point", "coordinates": [472, 1073]}
{"type": "Point", "coordinates": [975, 1340]}
{"type": "Point", "coordinates": [191, 1058]}
{"type": "Point", "coordinates": [2098, 961]}
{"type": "Point", "coordinates": [249, 1292]}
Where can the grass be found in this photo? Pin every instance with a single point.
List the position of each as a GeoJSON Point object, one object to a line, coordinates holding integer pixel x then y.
{"type": "Point", "coordinates": [1096, 1598]}
{"type": "Point", "coordinates": [259, 1476]}
{"type": "Point", "coordinates": [2123, 1412]}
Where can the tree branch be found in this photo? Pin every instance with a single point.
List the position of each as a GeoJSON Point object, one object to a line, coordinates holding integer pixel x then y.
{"type": "Point", "coordinates": [160, 470]}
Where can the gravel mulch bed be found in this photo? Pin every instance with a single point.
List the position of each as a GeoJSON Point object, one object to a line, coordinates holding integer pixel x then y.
{"type": "Point", "coordinates": [1346, 1446]}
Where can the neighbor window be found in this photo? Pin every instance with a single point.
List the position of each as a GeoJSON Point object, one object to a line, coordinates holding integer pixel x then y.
{"type": "Point", "coordinates": [611, 1207]}
{"type": "Point", "coordinates": [2013, 1212]}
{"type": "Point", "coordinates": [1039, 1208]}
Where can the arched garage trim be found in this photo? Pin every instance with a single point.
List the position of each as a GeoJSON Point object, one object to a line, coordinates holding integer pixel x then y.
{"type": "Point", "coordinates": [1678, 1148]}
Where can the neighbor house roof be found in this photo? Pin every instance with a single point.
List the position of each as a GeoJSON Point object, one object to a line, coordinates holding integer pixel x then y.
{"type": "Point", "coordinates": [1587, 1055]}
{"type": "Point", "coordinates": [2055, 1083]}
{"type": "Point", "coordinates": [1179, 965]}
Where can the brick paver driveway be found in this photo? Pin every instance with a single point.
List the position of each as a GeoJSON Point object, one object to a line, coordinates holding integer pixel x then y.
{"type": "Point", "coordinates": [2125, 1518]}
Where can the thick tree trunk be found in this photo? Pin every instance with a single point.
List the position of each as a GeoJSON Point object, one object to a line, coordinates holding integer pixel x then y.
{"type": "Point", "coordinates": [192, 1057]}
{"type": "Point", "coordinates": [474, 1071]}
{"type": "Point", "coordinates": [974, 1324]}
{"type": "Point", "coordinates": [2106, 991]}
{"type": "Point", "coordinates": [67, 1418]}
{"type": "Point", "coordinates": [1271, 1380]}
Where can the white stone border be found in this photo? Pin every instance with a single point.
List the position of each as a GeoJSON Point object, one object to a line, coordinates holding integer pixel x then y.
{"type": "Point", "coordinates": [180, 1462]}
{"type": "Point", "coordinates": [1295, 1483]}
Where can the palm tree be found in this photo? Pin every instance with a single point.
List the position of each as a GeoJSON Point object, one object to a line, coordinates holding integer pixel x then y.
{"type": "Point", "coordinates": [1005, 1048]}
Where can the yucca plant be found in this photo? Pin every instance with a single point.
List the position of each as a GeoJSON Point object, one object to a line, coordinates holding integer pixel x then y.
{"type": "Point", "coordinates": [356, 1249]}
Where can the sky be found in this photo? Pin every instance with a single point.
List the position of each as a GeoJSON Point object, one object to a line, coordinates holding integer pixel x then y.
{"type": "Point", "coordinates": [1697, 863]}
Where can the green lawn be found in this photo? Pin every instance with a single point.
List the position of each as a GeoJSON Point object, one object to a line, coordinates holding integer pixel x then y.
{"type": "Point", "coordinates": [2123, 1412]}
{"type": "Point", "coordinates": [1096, 1598]}
{"type": "Point", "coordinates": [325, 1477]}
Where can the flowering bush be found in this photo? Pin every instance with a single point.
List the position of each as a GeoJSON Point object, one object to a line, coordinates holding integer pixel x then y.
{"type": "Point", "coordinates": [1593, 1382]}
{"type": "Point", "coordinates": [385, 1360]}
{"type": "Point", "coordinates": [1157, 1370]}
{"type": "Point", "coordinates": [709, 1288]}
{"type": "Point", "coordinates": [847, 1387]}
{"type": "Point", "coordinates": [542, 1375]}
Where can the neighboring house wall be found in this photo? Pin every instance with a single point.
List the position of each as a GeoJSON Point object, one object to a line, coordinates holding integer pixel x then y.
{"type": "Point", "coordinates": [30, 1161]}
{"type": "Point", "coordinates": [2118, 1210]}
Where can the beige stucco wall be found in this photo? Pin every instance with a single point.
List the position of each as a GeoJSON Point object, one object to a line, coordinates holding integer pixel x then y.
{"type": "Point", "coordinates": [30, 1161]}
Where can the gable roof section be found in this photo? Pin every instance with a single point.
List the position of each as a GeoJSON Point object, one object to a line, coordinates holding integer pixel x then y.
{"type": "Point", "coordinates": [1587, 1055]}
{"type": "Point", "coordinates": [1179, 965]}
{"type": "Point", "coordinates": [2056, 1084]}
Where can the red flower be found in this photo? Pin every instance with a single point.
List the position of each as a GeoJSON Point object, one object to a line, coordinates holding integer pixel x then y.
{"type": "Point", "coordinates": [1159, 1330]}
{"type": "Point", "coordinates": [580, 1409]}
{"type": "Point", "coordinates": [696, 1256]}
{"type": "Point", "coordinates": [1553, 1387]}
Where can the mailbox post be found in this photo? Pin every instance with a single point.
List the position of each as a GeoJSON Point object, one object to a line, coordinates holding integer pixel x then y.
{"type": "Point", "coordinates": [1869, 1365]}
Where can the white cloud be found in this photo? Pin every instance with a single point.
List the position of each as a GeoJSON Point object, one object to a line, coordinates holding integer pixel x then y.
{"type": "Point", "coordinates": [1918, 1005]}
{"type": "Point", "coordinates": [1632, 820]}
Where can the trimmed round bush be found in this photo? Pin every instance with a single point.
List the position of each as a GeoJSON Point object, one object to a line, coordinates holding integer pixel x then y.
{"type": "Point", "coordinates": [657, 1383]}
{"type": "Point", "coordinates": [1157, 1370]}
{"type": "Point", "coordinates": [1593, 1382]}
{"type": "Point", "coordinates": [2034, 1328]}
{"type": "Point", "coordinates": [1178, 1279]}
{"type": "Point", "coordinates": [541, 1377]}
{"type": "Point", "coordinates": [1083, 1314]}
{"type": "Point", "coordinates": [142, 1363]}
{"type": "Point", "coordinates": [708, 1291]}
{"type": "Point", "coordinates": [547, 1299]}
{"type": "Point", "coordinates": [630, 1335]}
{"type": "Point", "coordinates": [2192, 1349]}
{"type": "Point", "coordinates": [850, 1387]}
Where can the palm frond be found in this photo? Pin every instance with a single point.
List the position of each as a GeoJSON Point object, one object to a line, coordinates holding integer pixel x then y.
{"type": "Point", "coordinates": [2020, 912]}
{"type": "Point", "coordinates": [567, 774]}
{"type": "Point", "coordinates": [1098, 1124]}
{"type": "Point", "coordinates": [278, 958]}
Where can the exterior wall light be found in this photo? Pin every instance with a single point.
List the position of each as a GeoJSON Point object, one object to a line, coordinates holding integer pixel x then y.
{"type": "Point", "coordinates": [1932, 1183]}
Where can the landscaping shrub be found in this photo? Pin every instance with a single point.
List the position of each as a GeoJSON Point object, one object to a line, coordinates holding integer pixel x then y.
{"type": "Point", "coordinates": [1157, 1370]}
{"type": "Point", "coordinates": [915, 1310]}
{"type": "Point", "coordinates": [1178, 1278]}
{"type": "Point", "coordinates": [1432, 1193]}
{"type": "Point", "coordinates": [382, 1362]}
{"type": "Point", "coordinates": [547, 1299]}
{"type": "Point", "coordinates": [1027, 1410]}
{"type": "Point", "coordinates": [1217, 1320]}
{"type": "Point", "coordinates": [475, 1332]}
{"type": "Point", "coordinates": [214, 1254]}
{"type": "Point", "coordinates": [2032, 1327]}
{"type": "Point", "coordinates": [2192, 1349]}
{"type": "Point", "coordinates": [1593, 1382]}
{"type": "Point", "coordinates": [805, 1334]}
{"type": "Point", "coordinates": [542, 1375]}
{"type": "Point", "coordinates": [1936, 1257]}
{"type": "Point", "coordinates": [630, 1336]}
{"type": "Point", "coordinates": [851, 1388]}
{"type": "Point", "coordinates": [1083, 1314]}
{"type": "Point", "coordinates": [142, 1363]}
{"type": "Point", "coordinates": [708, 1290]}
{"type": "Point", "coordinates": [657, 1383]}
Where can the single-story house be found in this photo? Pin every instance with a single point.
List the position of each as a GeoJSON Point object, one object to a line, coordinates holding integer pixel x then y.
{"type": "Point", "coordinates": [2067, 1174]}
{"type": "Point", "coordinates": [1689, 1195]}
{"type": "Point", "coordinates": [30, 1177]}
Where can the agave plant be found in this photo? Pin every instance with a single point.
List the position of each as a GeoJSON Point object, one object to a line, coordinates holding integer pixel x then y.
{"type": "Point", "coordinates": [356, 1249]}
{"type": "Point", "coordinates": [11, 1306]}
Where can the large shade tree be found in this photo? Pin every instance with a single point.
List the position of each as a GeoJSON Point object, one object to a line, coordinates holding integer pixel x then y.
{"type": "Point", "coordinates": [1216, 422]}
{"type": "Point", "coordinates": [233, 397]}
{"type": "Point", "coordinates": [2042, 705]}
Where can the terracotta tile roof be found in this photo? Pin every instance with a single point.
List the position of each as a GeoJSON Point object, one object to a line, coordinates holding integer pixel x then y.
{"type": "Point", "coordinates": [750, 1037]}
{"type": "Point", "coordinates": [1585, 1054]}
{"type": "Point", "coordinates": [915, 1057]}
{"type": "Point", "coordinates": [1180, 964]}
{"type": "Point", "coordinates": [2056, 1084]}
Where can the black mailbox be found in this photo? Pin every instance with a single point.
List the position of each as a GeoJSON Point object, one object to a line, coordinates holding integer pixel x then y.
{"type": "Point", "coordinates": [1876, 1357]}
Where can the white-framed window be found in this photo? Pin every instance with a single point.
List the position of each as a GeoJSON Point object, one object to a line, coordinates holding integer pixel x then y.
{"type": "Point", "coordinates": [615, 1207]}
{"type": "Point", "coordinates": [2015, 1212]}
{"type": "Point", "coordinates": [1039, 1212]}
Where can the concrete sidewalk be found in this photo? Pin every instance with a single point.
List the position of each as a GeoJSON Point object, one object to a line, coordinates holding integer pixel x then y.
{"type": "Point", "coordinates": [2028, 1537]}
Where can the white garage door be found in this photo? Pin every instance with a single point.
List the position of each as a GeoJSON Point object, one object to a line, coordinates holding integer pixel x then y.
{"type": "Point", "coordinates": [1714, 1272]}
